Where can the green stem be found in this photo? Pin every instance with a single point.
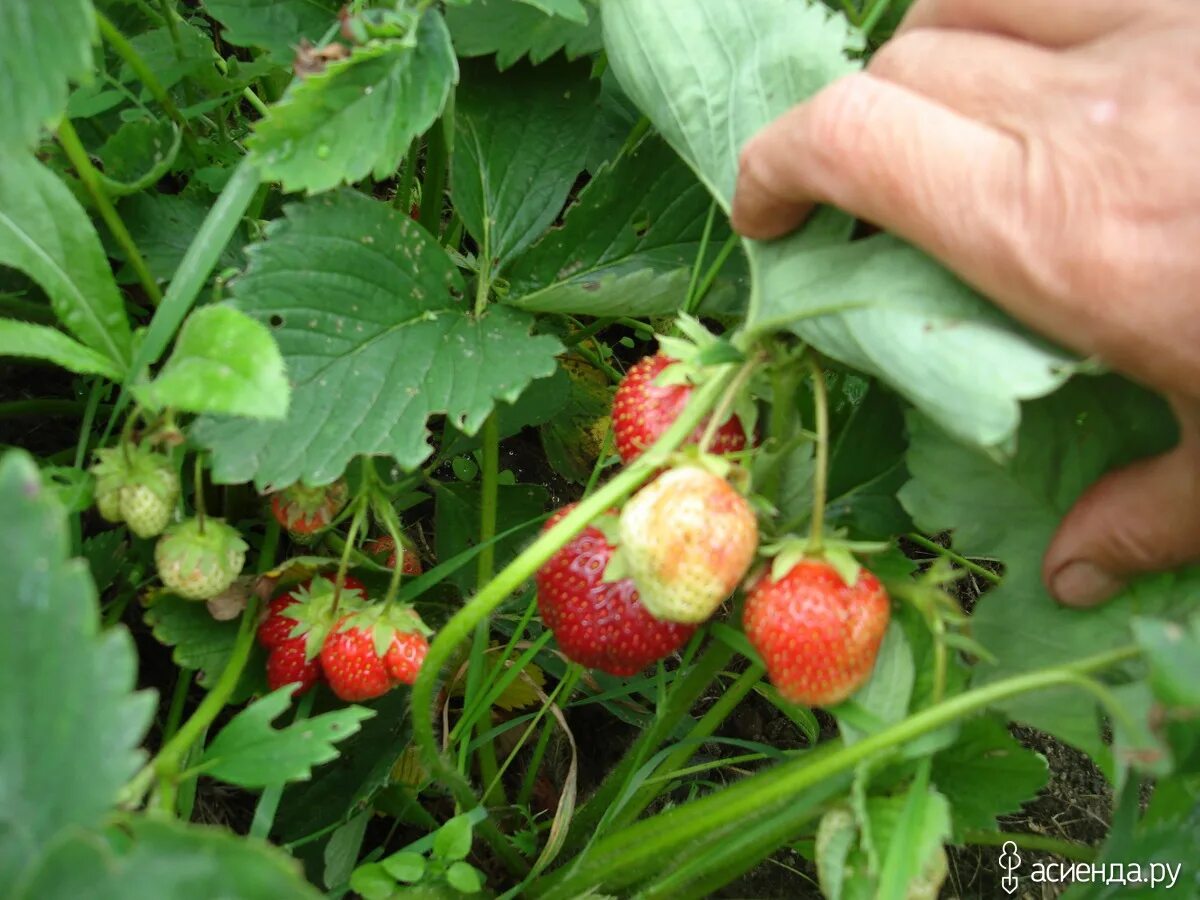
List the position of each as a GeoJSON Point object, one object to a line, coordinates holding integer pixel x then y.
{"type": "Point", "coordinates": [491, 595]}
{"type": "Point", "coordinates": [253, 99]}
{"type": "Point", "coordinates": [113, 37]}
{"type": "Point", "coordinates": [268, 802]}
{"type": "Point", "coordinates": [714, 270]}
{"type": "Point", "coordinates": [175, 714]}
{"type": "Point", "coordinates": [489, 488]}
{"type": "Point", "coordinates": [728, 399]}
{"type": "Point", "coordinates": [1065, 849]}
{"type": "Point", "coordinates": [98, 389]}
{"type": "Point", "coordinates": [408, 176]}
{"type": "Point", "coordinates": [437, 158]}
{"type": "Point", "coordinates": [690, 299]}
{"type": "Point", "coordinates": [921, 541]}
{"type": "Point", "coordinates": [649, 841]}
{"type": "Point", "coordinates": [704, 728]}
{"type": "Point", "coordinates": [821, 469]}
{"type": "Point", "coordinates": [198, 492]}
{"type": "Point", "coordinates": [91, 183]}
{"type": "Point", "coordinates": [201, 256]}
{"type": "Point", "coordinates": [169, 15]}
{"type": "Point", "coordinates": [873, 15]}
{"type": "Point", "coordinates": [165, 766]}
{"type": "Point", "coordinates": [485, 566]}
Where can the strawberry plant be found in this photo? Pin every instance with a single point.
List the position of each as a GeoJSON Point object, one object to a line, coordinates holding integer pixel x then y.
{"type": "Point", "coordinates": [412, 340]}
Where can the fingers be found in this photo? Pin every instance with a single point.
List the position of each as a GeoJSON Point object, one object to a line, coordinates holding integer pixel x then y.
{"type": "Point", "coordinates": [1050, 24]}
{"type": "Point", "coordinates": [994, 79]}
{"type": "Point", "coordinates": [910, 165]}
{"type": "Point", "coordinates": [1143, 518]}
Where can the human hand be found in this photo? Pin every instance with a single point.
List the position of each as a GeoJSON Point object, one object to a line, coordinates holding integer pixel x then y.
{"type": "Point", "coordinates": [1049, 153]}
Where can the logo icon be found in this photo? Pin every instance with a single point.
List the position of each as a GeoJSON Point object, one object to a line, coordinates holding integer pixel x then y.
{"type": "Point", "coordinates": [1009, 860]}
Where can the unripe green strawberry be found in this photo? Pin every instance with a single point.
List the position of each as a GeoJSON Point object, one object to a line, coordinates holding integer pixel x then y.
{"type": "Point", "coordinates": [687, 539]}
{"type": "Point", "coordinates": [197, 564]}
{"type": "Point", "coordinates": [817, 635]}
{"type": "Point", "coordinates": [149, 493]}
{"type": "Point", "coordinates": [110, 470]}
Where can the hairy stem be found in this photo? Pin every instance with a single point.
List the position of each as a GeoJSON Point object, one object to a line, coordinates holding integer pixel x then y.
{"type": "Point", "coordinates": [88, 175]}
{"type": "Point", "coordinates": [821, 473]}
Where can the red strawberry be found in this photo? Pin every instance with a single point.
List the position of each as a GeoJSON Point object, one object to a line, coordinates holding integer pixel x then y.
{"type": "Point", "coordinates": [368, 653]}
{"type": "Point", "coordinates": [643, 410]}
{"type": "Point", "coordinates": [817, 635]}
{"type": "Point", "coordinates": [288, 663]}
{"type": "Point", "coordinates": [687, 539]}
{"type": "Point", "coordinates": [304, 510]}
{"type": "Point", "coordinates": [386, 544]}
{"type": "Point", "coordinates": [600, 624]}
{"type": "Point", "coordinates": [276, 627]}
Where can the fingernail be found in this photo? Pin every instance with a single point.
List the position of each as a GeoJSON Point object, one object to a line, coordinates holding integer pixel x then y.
{"type": "Point", "coordinates": [1081, 583]}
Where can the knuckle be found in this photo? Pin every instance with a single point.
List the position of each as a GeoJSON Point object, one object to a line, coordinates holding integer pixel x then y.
{"type": "Point", "coordinates": [835, 117]}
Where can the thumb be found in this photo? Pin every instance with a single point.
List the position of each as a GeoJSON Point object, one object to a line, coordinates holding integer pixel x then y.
{"type": "Point", "coordinates": [1143, 518]}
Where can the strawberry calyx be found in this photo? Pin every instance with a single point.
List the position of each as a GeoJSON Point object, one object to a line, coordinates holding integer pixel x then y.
{"type": "Point", "coordinates": [384, 621]}
{"type": "Point", "coordinates": [306, 510]}
{"type": "Point", "coordinates": [319, 608]}
{"type": "Point", "coordinates": [840, 554]}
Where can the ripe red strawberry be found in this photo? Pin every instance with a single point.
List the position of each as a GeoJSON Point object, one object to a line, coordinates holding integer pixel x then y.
{"type": "Point", "coordinates": [600, 624]}
{"type": "Point", "coordinates": [386, 545]}
{"type": "Point", "coordinates": [687, 539]}
{"type": "Point", "coordinates": [368, 653]}
{"type": "Point", "coordinates": [643, 410]}
{"type": "Point", "coordinates": [817, 635]}
{"type": "Point", "coordinates": [288, 663]}
{"type": "Point", "coordinates": [304, 511]}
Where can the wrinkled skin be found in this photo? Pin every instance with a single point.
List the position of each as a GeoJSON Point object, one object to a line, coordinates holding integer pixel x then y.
{"type": "Point", "coordinates": [1049, 153]}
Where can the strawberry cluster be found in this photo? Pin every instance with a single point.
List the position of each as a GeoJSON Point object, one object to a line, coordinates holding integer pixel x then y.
{"type": "Point", "coordinates": [631, 589]}
{"type": "Point", "coordinates": [362, 649]}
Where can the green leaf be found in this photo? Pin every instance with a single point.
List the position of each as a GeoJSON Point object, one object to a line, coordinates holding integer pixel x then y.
{"type": "Point", "coordinates": [185, 52]}
{"type": "Point", "coordinates": [457, 522]}
{"type": "Point", "coordinates": [513, 29]}
{"type": "Point", "coordinates": [343, 787]}
{"type": "Point", "coordinates": [908, 833]}
{"type": "Point", "coordinates": [250, 753]}
{"type": "Point", "coordinates": [150, 858]}
{"type": "Point", "coordinates": [343, 849]}
{"type": "Point", "coordinates": [986, 773]}
{"type": "Point", "coordinates": [877, 305]}
{"type": "Point", "coordinates": [43, 342]}
{"type": "Point", "coordinates": [276, 26]}
{"type": "Point", "coordinates": [1009, 510]}
{"type": "Point", "coordinates": [520, 142]}
{"type": "Point", "coordinates": [163, 226]}
{"type": "Point", "coordinates": [886, 694]}
{"type": "Point", "coordinates": [45, 233]}
{"type": "Point", "coordinates": [70, 723]}
{"type": "Point", "coordinates": [201, 642]}
{"type": "Point", "coordinates": [45, 46]}
{"type": "Point", "coordinates": [1173, 651]}
{"type": "Point", "coordinates": [359, 115]}
{"type": "Point", "coordinates": [224, 362]}
{"type": "Point", "coordinates": [628, 244]}
{"type": "Point", "coordinates": [404, 866]}
{"type": "Point", "coordinates": [453, 840]}
{"type": "Point", "coordinates": [372, 882]}
{"type": "Point", "coordinates": [464, 878]}
{"type": "Point", "coordinates": [363, 305]}
{"type": "Point", "coordinates": [573, 10]}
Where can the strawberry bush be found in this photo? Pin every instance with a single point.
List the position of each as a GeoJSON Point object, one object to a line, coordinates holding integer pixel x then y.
{"type": "Point", "coordinates": [394, 424]}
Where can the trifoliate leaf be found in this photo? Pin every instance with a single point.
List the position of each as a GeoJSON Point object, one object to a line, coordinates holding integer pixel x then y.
{"type": "Point", "coordinates": [376, 337]}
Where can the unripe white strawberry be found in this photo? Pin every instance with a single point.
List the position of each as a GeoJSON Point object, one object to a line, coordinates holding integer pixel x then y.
{"type": "Point", "coordinates": [198, 564]}
{"type": "Point", "coordinates": [687, 539]}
